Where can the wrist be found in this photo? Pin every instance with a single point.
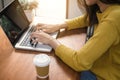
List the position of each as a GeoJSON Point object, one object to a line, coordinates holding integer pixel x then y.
{"type": "Point", "coordinates": [63, 25]}
{"type": "Point", "coordinates": [54, 43]}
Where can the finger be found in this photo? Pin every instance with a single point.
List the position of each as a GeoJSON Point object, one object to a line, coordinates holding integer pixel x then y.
{"type": "Point", "coordinates": [39, 28]}
{"type": "Point", "coordinates": [40, 24]}
{"type": "Point", "coordinates": [35, 29]}
{"type": "Point", "coordinates": [34, 35]}
{"type": "Point", "coordinates": [34, 40]}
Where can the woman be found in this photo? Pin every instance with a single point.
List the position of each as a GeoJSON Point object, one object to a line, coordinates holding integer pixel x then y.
{"type": "Point", "coordinates": [100, 56]}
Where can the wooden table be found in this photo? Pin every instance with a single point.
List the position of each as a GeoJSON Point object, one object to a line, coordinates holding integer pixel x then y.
{"type": "Point", "coordinates": [18, 64]}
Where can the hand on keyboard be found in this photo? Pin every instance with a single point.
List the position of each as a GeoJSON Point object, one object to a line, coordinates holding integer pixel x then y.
{"type": "Point", "coordinates": [33, 43]}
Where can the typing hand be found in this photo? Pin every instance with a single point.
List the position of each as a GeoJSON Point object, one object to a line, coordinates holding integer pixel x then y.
{"type": "Point", "coordinates": [33, 43]}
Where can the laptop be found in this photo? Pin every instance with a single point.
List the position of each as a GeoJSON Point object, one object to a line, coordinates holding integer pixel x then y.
{"type": "Point", "coordinates": [18, 29]}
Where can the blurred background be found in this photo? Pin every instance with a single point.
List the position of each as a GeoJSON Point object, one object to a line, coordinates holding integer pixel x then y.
{"type": "Point", "coordinates": [60, 9]}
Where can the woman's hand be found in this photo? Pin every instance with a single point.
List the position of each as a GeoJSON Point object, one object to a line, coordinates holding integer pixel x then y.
{"type": "Point", "coordinates": [44, 38]}
{"type": "Point", "coordinates": [50, 28]}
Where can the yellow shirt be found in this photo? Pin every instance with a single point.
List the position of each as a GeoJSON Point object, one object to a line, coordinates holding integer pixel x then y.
{"type": "Point", "coordinates": [101, 53]}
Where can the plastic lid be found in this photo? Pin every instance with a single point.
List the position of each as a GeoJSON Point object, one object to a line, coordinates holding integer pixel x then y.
{"type": "Point", "coordinates": [41, 60]}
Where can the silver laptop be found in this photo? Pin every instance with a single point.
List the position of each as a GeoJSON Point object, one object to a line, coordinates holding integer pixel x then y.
{"type": "Point", "coordinates": [18, 29]}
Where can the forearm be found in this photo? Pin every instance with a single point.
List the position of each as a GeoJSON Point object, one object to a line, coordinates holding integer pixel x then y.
{"type": "Point", "coordinates": [62, 25]}
{"type": "Point", "coordinates": [78, 22]}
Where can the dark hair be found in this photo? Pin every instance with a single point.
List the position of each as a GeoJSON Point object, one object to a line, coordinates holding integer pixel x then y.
{"type": "Point", "coordinates": [91, 10]}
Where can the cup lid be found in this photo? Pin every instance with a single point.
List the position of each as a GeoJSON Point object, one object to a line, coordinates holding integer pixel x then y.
{"type": "Point", "coordinates": [41, 60]}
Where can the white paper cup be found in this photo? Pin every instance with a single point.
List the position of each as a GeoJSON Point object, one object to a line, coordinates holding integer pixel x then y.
{"type": "Point", "coordinates": [41, 62]}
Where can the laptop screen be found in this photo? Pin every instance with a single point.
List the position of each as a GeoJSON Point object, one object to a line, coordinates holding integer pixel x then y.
{"type": "Point", "coordinates": [13, 21]}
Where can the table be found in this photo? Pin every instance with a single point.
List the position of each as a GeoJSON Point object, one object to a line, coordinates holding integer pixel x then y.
{"type": "Point", "coordinates": [18, 65]}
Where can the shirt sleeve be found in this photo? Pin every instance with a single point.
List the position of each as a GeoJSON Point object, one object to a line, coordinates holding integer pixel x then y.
{"type": "Point", "coordinates": [96, 46]}
{"type": "Point", "coordinates": [78, 22]}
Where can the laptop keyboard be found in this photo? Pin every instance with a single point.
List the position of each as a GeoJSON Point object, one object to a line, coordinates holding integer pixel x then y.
{"type": "Point", "coordinates": [27, 40]}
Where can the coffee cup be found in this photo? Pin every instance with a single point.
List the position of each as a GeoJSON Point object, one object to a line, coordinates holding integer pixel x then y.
{"type": "Point", "coordinates": [41, 62]}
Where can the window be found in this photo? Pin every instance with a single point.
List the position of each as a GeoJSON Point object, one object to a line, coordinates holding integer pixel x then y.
{"type": "Point", "coordinates": [52, 8]}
